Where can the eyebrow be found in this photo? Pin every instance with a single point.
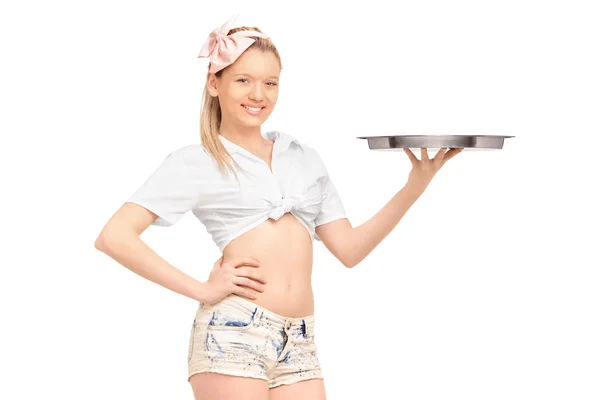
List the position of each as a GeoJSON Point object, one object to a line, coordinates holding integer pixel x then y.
{"type": "Point", "coordinates": [270, 77]}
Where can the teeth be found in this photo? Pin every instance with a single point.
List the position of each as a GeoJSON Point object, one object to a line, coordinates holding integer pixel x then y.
{"type": "Point", "coordinates": [252, 109]}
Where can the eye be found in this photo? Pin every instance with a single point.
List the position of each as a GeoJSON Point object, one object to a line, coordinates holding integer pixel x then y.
{"type": "Point", "coordinates": [273, 83]}
{"type": "Point", "coordinates": [242, 79]}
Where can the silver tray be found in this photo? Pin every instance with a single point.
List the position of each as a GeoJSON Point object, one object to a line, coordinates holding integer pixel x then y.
{"type": "Point", "coordinates": [471, 142]}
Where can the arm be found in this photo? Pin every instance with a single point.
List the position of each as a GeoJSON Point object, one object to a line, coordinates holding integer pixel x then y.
{"type": "Point", "coordinates": [127, 248]}
{"type": "Point", "coordinates": [352, 244]}
{"type": "Point", "coordinates": [163, 199]}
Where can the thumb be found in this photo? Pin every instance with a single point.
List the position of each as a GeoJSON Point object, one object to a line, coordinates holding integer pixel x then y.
{"type": "Point", "coordinates": [218, 262]}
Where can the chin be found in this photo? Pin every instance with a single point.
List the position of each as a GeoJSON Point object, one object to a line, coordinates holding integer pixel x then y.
{"type": "Point", "coordinates": [252, 124]}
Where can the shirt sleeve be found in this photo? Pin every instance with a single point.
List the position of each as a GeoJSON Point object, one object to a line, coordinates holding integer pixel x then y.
{"type": "Point", "coordinates": [173, 188]}
{"type": "Point", "coordinates": [332, 207]}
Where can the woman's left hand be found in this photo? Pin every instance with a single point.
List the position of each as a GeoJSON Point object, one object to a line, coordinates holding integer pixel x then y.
{"type": "Point", "coordinates": [424, 170]}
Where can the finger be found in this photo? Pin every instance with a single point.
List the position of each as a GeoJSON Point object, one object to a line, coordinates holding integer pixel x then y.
{"type": "Point", "coordinates": [424, 155]}
{"type": "Point", "coordinates": [451, 154]}
{"type": "Point", "coordinates": [240, 281]}
{"type": "Point", "coordinates": [246, 261]}
{"type": "Point", "coordinates": [249, 274]}
{"type": "Point", "coordinates": [240, 291]}
{"type": "Point", "coordinates": [439, 156]}
{"type": "Point", "coordinates": [411, 156]}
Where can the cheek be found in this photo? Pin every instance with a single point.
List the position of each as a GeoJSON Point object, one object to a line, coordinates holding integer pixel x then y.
{"type": "Point", "coordinates": [230, 101]}
{"type": "Point", "coordinates": [273, 95]}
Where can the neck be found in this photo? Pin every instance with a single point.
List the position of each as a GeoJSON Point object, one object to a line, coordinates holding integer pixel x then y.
{"type": "Point", "coordinates": [241, 134]}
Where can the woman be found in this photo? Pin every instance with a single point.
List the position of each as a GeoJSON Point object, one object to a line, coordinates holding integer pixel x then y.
{"type": "Point", "coordinates": [263, 198]}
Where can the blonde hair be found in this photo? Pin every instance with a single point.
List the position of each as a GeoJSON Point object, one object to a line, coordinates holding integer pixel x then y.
{"type": "Point", "coordinates": [210, 111]}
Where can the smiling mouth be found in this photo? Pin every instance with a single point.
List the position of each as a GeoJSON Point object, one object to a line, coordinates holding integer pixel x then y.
{"type": "Point", "coordinates": [252, 109]}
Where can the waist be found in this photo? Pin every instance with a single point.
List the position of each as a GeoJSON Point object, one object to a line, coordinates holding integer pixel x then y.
{"type": "Point", "coordinates": [248, 307]}
{"type": "Point", "coordinates": [284, 250]}
{"type": "Point", "coordinates": [288, 288]}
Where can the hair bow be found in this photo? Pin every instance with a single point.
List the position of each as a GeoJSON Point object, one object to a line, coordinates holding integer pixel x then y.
{"type": "Point", "coordinates": [223, 49]}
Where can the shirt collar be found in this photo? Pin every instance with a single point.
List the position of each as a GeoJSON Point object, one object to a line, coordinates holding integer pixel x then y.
{"type": "Point", "coordinates": [282, 142]}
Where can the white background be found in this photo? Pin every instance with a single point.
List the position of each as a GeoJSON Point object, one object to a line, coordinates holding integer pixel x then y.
{"type": "Point", "coordinates": [488, 287]}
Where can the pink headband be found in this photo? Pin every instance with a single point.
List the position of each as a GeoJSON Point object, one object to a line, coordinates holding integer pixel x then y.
{"type": "Point", "coordinates": [223, 49]}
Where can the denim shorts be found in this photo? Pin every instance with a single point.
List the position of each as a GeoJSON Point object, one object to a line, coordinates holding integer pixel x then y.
{"type": "Point", "coordinates": [237, 337]}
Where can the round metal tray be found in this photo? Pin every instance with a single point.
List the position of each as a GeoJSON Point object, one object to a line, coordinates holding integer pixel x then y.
{"type": "Point", "coordinates": [468, 142]}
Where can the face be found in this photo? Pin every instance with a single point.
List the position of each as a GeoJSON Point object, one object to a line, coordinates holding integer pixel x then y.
{"type": "Point", "coordinates": [251, 81]}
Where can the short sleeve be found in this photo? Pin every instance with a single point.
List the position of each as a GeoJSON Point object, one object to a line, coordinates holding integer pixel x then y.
{"type": "Point", "coordinates": [332, 207]}
{"type": "Point", "coordinates": [173, 188]}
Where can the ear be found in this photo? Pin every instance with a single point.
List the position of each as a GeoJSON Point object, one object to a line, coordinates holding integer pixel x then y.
{"type": "Point", "coordinates": [212, 84]}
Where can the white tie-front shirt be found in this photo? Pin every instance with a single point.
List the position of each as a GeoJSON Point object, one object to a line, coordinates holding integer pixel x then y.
{"type": "Point", "coordinates": [189, 179]}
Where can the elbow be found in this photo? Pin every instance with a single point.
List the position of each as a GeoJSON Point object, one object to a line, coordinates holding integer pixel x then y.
{"type": "Point", "coordinates": [349, 261]}
{"type": "Point", "coordinates": [104, 241]}
{"type": "Point", "coordinates": [100, 243]}
{"type": "Point", "coordinates": [350, 257]}
{"type": "Point", "coordinates": [353, 256]}
{"type": "Point", "coordinates": [112, 235]}
{"type": "Point", "coordinates": [111, 239]}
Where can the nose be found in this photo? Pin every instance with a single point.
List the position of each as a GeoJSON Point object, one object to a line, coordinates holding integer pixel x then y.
{"type": "Point", "coordinates": [257, 93]}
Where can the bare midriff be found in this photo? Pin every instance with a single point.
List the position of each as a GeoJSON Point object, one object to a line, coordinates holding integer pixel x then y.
{"type": "Point", "coordinates": [284, 250]}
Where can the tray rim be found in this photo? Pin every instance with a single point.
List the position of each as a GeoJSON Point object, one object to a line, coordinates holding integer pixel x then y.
{"type": "Point", "coordinates": [434, 136]}
{"type": "Point", "coordinates": [415, 141]}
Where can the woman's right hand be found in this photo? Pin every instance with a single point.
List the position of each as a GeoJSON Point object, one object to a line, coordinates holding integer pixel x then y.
{"type": "Point", "coordinates": [228, 277]}
{"type": "Point", "coordinates": [424, 170]}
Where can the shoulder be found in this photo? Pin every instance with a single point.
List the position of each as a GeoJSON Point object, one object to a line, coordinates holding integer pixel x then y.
{"type": "Point", "coordinates": [306, 147]}
{"type": "Point", "coordinates": [311, 158]}
{"type": "Point", "coordinates": [310, 152]}
{"type": "Point", "coordinates": [187, 160]}
{"type": "Point", "coordinates": [189, 154]}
